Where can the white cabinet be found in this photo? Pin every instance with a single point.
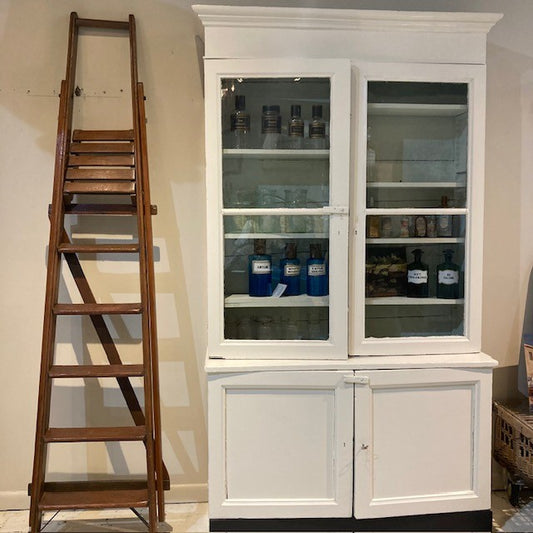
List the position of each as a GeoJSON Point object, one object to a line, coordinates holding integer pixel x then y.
{"type": "Point", "coordinates": [280, 445]}
{"type": "Point", "coordinates": [344, 172]}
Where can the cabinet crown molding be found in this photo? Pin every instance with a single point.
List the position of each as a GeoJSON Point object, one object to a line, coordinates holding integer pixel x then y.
{"type": "Point", "coordinates": [344, 19]}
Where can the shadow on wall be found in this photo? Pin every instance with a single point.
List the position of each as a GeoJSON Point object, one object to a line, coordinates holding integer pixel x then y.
{"type": "Point", "coordinates": [168, 56]}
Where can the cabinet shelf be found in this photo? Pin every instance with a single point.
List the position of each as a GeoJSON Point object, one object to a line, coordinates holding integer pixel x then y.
{"type": "Point", "coordinates": [243, 300]}
{"type": "Point", "coordinates": [415, 185]}
{"type": "Point", "coordinates": [276, 236]}
{"type": "Point", "coordinates": [425, 110]}
{"type": "Point", "coordinates": [259, 153]}
{"type": "Point", "coordinates": [416, 240]}
{"type": "Point", "coordinates": [403, 300]}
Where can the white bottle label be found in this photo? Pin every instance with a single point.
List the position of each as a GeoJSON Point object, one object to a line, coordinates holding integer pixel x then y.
{"type": "Point", "coordinates": [261, 266]}
{"type": "Point", "coordinates": [418, 277]}
{"type": "Point", "coordinates": [318, 269]}
{"type": "Point", "coordinates": [291, 270]}
{"type": "Point", "coordinates": [448, 277]}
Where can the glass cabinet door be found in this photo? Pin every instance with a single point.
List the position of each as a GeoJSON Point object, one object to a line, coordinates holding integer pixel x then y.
{"type": "Point", "coordinates": [417, 209]}
{"type": "Point", "coordinates": [279, 206]}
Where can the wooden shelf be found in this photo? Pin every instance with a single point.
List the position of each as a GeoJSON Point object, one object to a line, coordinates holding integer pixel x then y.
{"type": "Point", "coordinates": [258, 153]}
{"type": "Point", "coordinates": [243, 300]}
{"type": "Point", "coordinates": [403, 300]}
{"type": "Point", "coordinates": [416, 240]}
{"type": "Point", "coordinates": [425, 110]}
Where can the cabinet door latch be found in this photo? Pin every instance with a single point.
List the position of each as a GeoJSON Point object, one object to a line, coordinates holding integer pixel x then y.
{"type": "Point", "coordinates": [357, 380]}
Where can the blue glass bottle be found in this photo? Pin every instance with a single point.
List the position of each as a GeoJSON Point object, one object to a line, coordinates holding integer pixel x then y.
{"type": "Point", "coordinates": [290, 271]}
{"type": "Point", "coordinates": [317, 272]}
{"type": "Point", "coordinates": [260, 270]}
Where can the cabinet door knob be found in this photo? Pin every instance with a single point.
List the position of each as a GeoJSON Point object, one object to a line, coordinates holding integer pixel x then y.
{"type": "Point", "coordinates": [357, 380]}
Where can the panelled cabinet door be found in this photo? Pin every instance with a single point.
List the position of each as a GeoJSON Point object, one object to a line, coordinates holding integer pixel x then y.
{"type": "Point", "coordinates": [277, 162]}
{"type": "Point", "coordinates": [421, 443]}
{"type": "Point", "coordinates": [416, 260]}
{"type": "Point", "coordinates": [280, 445]}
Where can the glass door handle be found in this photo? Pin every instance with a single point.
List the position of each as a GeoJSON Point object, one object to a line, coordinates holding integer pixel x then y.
{"type": "Point", "coordinates": [357, 380]}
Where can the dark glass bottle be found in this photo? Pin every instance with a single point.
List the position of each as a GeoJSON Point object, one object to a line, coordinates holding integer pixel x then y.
{"type": "Point", "coordinates": [317, 272]}
{"type": "Point", "coordinates": [417, 277]}
{"type": "Point", "coordinates": [296, 128]}
{"type": "Point", "coordinates": [448, 277]}
{"type": "Point", "coordinates": [290, 271]}
{"type": "Point", "coordinates": [260, 270]}
{"type": "Point", "coordinates": [240, 124]}
{"type": "Point", "coordinates": [271, 127]}
{"type": "Point", "coordinates": [421, 227]}
{"type": "Point", "coordinates": [317, 129]}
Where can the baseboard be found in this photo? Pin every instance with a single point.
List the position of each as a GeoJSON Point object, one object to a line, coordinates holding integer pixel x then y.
{"type": "Point", "coordinates": [188, 493]}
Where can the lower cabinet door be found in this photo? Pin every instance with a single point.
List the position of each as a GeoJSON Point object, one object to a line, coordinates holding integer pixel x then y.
{"type": "Point", "coordinates": [280, 445]}
{"type": "Point", "coordinates": [422, 441]}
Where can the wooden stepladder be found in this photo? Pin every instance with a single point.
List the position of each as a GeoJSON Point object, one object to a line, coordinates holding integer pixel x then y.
{"type": "Point", "coordinates": [113, 165]}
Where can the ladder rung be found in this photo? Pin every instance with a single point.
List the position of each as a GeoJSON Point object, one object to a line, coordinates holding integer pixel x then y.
{"type": "Point", "coordinates": [99, 434]}
{"type": "Point", "coordinates": [96, 371]}
{"type": "Point", "coordinates": [109, 160]}
{"type": "Point", "coordinates": [101, 148]}
{"type": "Point", "coordinates": [99, 187]}
{"type": "Point", "coordinates": [98, 309]}
{"type": "Point", "coordinates": [104, 24]}
{"type": "Point", "coordinates": [104, 499]}
{"type": "Point", "coordinates": [100, 174]}
{"type": "Point", "coordinates": [102, 135]}
{"type": "Point", "coordinates": [98, 248]}
{"type": "Point", "coordinates": [102, 209]}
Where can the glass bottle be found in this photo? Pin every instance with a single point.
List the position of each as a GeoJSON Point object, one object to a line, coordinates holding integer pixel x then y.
{"type": "Point", "coordinates": [417, 277]}
{"type": "Point", "coordinates": [420, 226]}
{"type": "Point", "coordinates": [260, 270]}
{"type": "Point", "coordinates": [271, 127]}
{"type": "Point", "coordinates": [296, 128]}
{"type": "Point", "coordinates": [404, 227]}
{"type": "Point", "coordinates": [265, 329]}
{"type": "Point", "coordinates": [317, 129]}
{"type": "Point", "coordinates": [239, 124]}
{"type": "Point", "coordinates": [448, 277]}
{"type": "Point", "coordinates": [290, 271]}
{"type": "Point", "coordinates": [431, 226]}
{"type": "Point", "coordinates": [444, 223]}
{"type": "Point", "coordinates": [244, 328]}
{"type": "Point", "coordinates": [370, 157]}
{"type": "Point", "coordinates": [317, 274]}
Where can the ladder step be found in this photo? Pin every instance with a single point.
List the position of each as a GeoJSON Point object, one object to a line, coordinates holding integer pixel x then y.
{"type": "Point", "coordinates": [101, 148]}
{"type": "Point", "coordinates": [96, 371]}
{"type": "Point", "coordinates": [93, 499]}
{"type": "Point", "coordinates": [100, 174]}
{"type": "Point", "coordinates": [103, 209]}
{"type": "Point", "coordinates": [102, 135]}
{"type": "Point", "coordinates": [99, 187]}
{"type": "Point", "coordinates": [98, 248]}
{"type": "Point", "coordinates": [98, 309]}
{"type": "Point", "coordinates": [108, 160]}
{"type": "Point", "coordinates": [96, 434]}
{"type": "Point", "coordinates": [103, 24]}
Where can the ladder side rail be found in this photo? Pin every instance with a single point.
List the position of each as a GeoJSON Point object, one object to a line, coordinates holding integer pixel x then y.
{"type": "Point", "coordinates": [162, 474]}
{"type": "Point", "coordinates": [141, 225]}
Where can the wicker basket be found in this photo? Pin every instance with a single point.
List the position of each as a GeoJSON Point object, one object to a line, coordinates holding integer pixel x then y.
{"type": "Point", "coordinates": [513, 439]}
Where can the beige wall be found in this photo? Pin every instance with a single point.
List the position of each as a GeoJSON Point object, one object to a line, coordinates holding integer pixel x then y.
{"type": "Point", "coordinates": [33, 38]}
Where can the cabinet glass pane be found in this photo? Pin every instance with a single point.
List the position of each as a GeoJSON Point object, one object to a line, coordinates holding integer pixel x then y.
{"type": "Point", "coordinates": [417, 216]}
{"type": "Point", "coordinates": [275, 139]}
{"type": "Point", "coordinates": [276, 277]}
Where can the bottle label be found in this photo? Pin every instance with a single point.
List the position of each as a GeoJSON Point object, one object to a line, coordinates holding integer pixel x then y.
{"type": "Point", "coordinates": [317, 269]}
{"type": "Point", "coordinates": [261, 266]}
{"type": "Point", "coordinates": [271, 123]}
{"type": "Point", "coordinates": [296, 129]}
{"type": "Point", "coordinates": [448, 277]}
{"type": "Point", "coordinates": [444, 222]}
{"type": "Point", "coordinates": [240, 122]}
{"type": "Point", "coordinates": [291, 270]}
{"type": "Point", "coordinates": [317, 130]}
{"type": "Point", "coordinates": [418, 277]}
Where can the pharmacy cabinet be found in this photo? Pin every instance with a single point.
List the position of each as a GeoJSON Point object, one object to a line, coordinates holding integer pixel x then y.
{"type": "Point", "coordinates": [352, 443]}
{"type": "Point", "coordinates": [280, 445]}
{"type": "Point", "coordinates": [344, 183]}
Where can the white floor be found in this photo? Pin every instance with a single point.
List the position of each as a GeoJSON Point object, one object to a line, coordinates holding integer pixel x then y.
{"type": "Point", "coordinates": [192, 517]}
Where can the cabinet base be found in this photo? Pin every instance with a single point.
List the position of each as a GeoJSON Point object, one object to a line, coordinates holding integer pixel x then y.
{"type": "Point", "coordinates": [463, 521]}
